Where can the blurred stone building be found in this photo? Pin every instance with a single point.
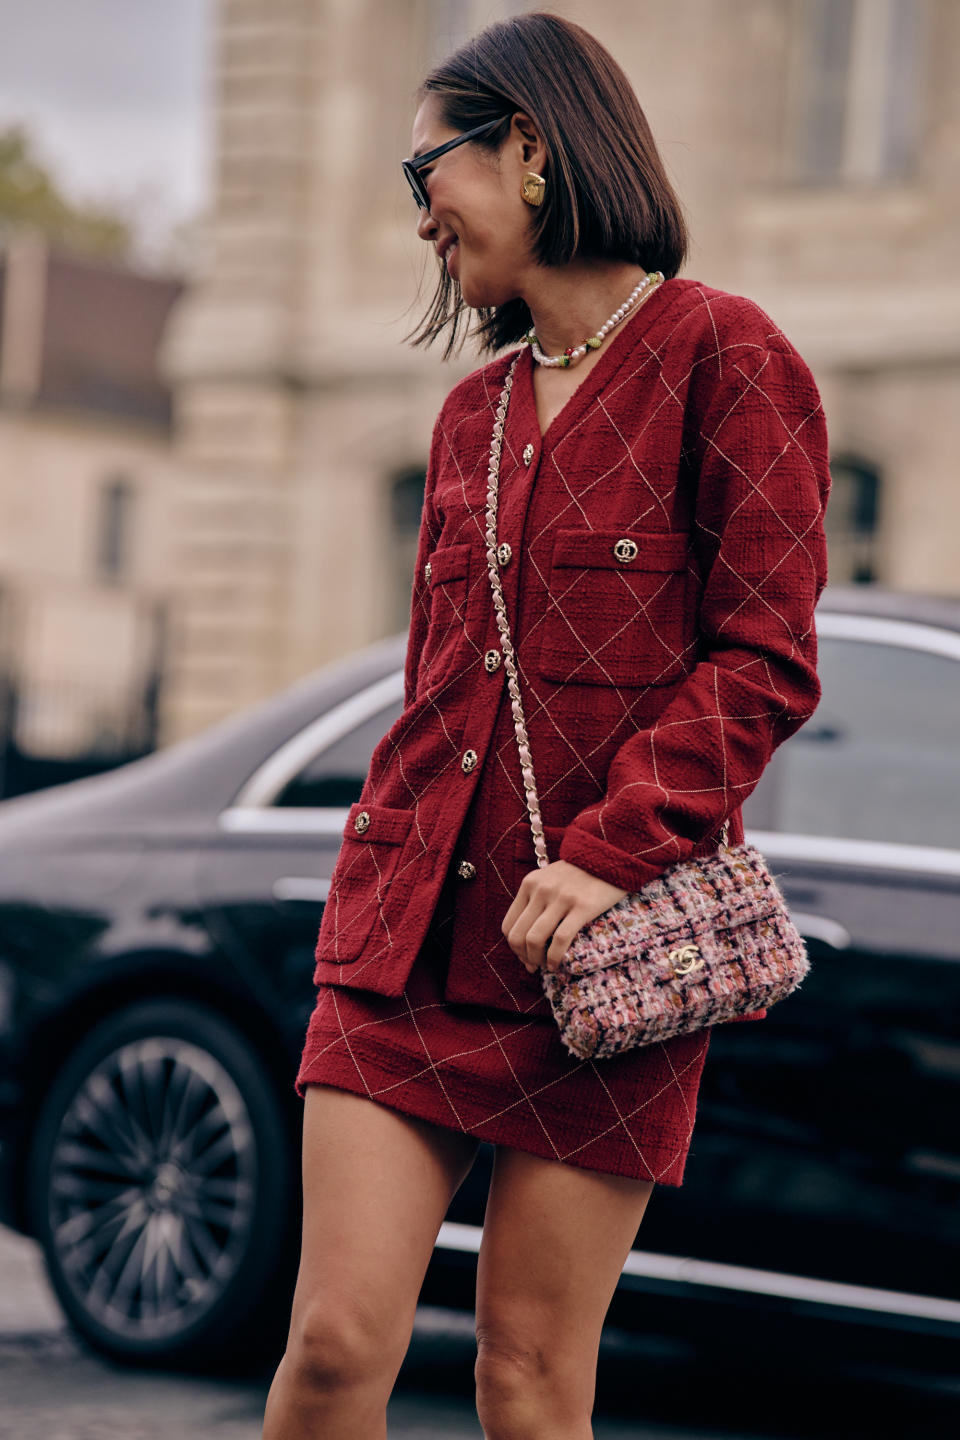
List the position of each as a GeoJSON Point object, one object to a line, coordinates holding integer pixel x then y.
{"type": "Point", "coordinates": [85, 480]}
{"type": "Point", "coordinates": [816, 147]}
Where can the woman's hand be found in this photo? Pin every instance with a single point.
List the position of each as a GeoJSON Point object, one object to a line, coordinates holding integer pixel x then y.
{"type": "Point", "coordinates": [556, 900]}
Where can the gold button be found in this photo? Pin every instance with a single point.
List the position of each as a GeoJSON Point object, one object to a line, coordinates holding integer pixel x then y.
{"type": "Point", "coordinates": [469, 761]}
{"type": "Point", "coordinates": [503, 553]}
{"type": "Point", "coordinates": [362, 822]}
{"type": "Point", "coordinates": [466, 870]}
{"type": "Point", "coordinates": [426, 572]}
{"type": "Point", "coordinates": [527, 454]}
{"type": "Point", "coordinates": [626, 550]}
{"type": "Point", "coordinates": [492, 661]}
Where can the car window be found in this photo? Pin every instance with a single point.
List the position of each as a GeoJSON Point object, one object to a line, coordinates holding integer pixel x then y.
{"type": "Point", "coordinates": [336, 774]}
{"type": "Point", "coordinates": [879, 758]}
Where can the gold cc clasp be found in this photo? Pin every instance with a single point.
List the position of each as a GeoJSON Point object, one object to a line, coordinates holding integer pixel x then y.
{"type": "Point", "coordinates": [685, 959]}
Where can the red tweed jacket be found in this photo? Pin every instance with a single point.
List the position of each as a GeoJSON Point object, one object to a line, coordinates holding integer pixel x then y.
{"type": "Point", "coordinates": [657, 677]}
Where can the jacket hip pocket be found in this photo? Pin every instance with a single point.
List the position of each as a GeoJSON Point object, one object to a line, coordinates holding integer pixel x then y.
{"type": "Point", "coordinates": [355, 912]}
{"type": "Point", "coordinates": [618, 608]}
{"type": "Point", "coordinates": [448, 585]}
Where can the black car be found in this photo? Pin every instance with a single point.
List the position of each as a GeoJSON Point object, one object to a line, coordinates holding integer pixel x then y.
{"type": "Point", "coordinates": [157, 928]}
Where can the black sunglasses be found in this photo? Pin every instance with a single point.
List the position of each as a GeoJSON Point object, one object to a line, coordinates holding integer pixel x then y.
{"type": "Point", "coordinates": [411, 168]}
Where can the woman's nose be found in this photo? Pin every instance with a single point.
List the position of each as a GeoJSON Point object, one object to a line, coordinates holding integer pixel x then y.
{"type": "Point", "coordinates": [426, 225]}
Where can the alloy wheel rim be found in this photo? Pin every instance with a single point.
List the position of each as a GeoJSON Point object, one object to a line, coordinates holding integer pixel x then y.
{"type": "Point", "coordinates": [152, 1183]}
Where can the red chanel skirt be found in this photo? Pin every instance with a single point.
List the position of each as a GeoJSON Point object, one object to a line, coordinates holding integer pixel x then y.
{"type": "Point", "coordinates": [502, 1078]}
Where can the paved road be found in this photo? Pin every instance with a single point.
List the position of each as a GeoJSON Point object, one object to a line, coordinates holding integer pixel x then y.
{"type": "Point", "coordinates": [53, 1388]}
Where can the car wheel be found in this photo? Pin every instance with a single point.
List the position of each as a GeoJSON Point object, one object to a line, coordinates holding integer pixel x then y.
{"type": "Point", "coordinates": [162, 1185]}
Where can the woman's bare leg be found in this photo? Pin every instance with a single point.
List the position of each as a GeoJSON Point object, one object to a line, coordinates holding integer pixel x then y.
{"type": "Point", "coordinates": [376, 1187]}
{"type": "Point", "coordinates": [555, 1239]}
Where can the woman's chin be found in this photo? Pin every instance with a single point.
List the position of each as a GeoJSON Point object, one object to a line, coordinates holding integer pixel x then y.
{"type": "Point", "coordinates": [474, 293]}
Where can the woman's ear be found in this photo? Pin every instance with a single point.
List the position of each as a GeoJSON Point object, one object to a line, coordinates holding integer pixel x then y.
{"type": "Point", "coordinates": [528, 143]}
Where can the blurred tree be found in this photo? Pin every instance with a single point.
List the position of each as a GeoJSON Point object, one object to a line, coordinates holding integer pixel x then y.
{"type": "Point", "coordinates": [29, 195]}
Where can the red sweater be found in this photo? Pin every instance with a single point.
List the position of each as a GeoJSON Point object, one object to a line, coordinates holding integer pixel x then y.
{"type": "Point", "coordinates": [655, 686]}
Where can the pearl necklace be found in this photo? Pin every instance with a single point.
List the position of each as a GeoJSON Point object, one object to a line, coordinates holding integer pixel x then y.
{"type": "Point", "coordinates": [573, 354]}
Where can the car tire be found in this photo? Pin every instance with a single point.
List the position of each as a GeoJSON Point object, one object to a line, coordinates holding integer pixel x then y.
{"type": "Point", "coordinates": [163, 1183]}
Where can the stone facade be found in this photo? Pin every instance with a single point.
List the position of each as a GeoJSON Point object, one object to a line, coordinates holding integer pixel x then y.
{"type": "Point", "coordinates": [817, 160]}
{"type": "Point", "coordinates": [85, 520]}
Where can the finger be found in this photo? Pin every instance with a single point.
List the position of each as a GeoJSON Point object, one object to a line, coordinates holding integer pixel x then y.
{"type": "Point", "coordinates": [519, 936]}
{"type": "Point", "coordinates": [517, 906]}
{"type": "Point", "coordinates": [558, 946]}
{"type": "Point", "coordinates": [515, 932]}
{"type": "Point", "coordinates": [541, 933]}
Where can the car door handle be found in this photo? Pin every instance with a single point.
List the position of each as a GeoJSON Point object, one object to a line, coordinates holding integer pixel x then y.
{"type": "Point", "coordinates": [301, 887]}
{"type": "Point", "coordinates": [819, 734]}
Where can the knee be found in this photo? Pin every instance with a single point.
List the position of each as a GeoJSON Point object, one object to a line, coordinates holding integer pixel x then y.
{"type": "Point", "coordinates": [508, 1365]}
{"type": "Point", "coordinates": [523, 1388]}
{"type": "Point", "coordinates": [336, 1346]}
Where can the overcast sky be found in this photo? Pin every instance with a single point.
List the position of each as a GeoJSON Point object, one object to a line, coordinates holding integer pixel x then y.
{"type": "Point", "coordinates": [115, 93]}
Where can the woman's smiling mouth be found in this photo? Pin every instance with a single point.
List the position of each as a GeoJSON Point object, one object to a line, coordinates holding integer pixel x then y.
{"type": "Point", "coordinates": [446, 247]}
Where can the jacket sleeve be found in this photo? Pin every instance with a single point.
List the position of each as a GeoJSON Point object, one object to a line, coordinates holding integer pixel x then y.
{"type": "Point", "coordinates": [420, 596]}
{"type": "Point", "coordinates": [762, 481]}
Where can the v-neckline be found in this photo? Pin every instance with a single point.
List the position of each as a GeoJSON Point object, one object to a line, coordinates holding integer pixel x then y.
{"type": "Point", "coordinates": [595, 377]}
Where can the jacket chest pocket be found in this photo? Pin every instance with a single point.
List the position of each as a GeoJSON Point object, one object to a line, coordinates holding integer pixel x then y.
{"type": "Point", "coordinates": [618, 609]}
{"type": "Point", "coordinates": [448, 583]}
{"type": "Point", "coordinates": [366, 864]}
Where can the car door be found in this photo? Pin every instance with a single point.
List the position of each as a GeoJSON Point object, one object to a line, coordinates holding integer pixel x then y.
{"type": "Point", "coordinates": [828, 1142]}
{"type": "Point", "coordinates": [265, 883]}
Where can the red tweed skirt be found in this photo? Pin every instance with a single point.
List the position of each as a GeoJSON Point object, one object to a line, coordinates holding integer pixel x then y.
{"type": "Point", "coordinates": [504, 1078]}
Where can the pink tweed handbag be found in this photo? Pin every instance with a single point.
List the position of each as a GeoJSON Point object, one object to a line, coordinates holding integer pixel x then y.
{"type": "Point", "coordinates": [706, 941]}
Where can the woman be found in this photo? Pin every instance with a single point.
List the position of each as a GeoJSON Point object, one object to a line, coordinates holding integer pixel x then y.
{"type": "Point", "coordinates": [662, 550]}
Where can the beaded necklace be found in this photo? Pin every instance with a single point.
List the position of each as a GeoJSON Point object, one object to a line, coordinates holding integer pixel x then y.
{"type": "Point", "coordinates": [571, 355]}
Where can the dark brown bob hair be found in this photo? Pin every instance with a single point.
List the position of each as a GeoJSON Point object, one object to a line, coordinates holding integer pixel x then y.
{"type": "Point", "coordinates": [607, 191]}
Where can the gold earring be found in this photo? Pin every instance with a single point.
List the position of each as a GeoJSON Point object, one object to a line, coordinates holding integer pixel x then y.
{"type": "Point", "coordinates": [533, 188]}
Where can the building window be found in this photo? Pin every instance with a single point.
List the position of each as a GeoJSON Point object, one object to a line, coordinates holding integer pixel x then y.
{"type": "Point", "coordinates": [406, 504]}
{"type": "Point", "coordinates": [856, 89]}
{"type": "Point", "coordinates": [852, 521]}
{"type": "Point", "coordinates": [113, 528]}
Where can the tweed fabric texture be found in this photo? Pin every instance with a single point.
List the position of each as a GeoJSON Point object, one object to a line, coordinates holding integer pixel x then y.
{"type": "Point", "coordinates": [655, 691]}
{"type": "Point", "coordinates": [708, 941]}
{"type": "Point", "coordinates": [506, 1079]}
